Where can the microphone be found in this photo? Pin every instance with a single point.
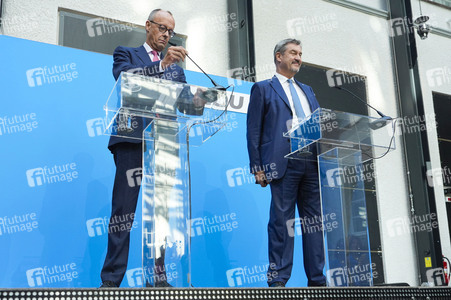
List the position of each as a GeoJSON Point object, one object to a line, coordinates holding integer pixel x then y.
{"type": "Point", "coordinates": [379, 123]}
{"type": "Point", "coordinates": [210, 94]}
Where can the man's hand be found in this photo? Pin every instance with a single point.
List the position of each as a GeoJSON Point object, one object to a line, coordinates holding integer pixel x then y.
{"type": "Point", "coordinates": [260, 178]}
{"type": "Point", "coordinates": [174, 55]}
{"type": "Point", "coordinates": [197, 99]}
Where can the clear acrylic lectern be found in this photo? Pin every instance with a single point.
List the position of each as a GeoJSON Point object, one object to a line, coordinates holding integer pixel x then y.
{"type": "Point", "coordinates": [343, 143]}
{"type": "Point", "coordinates": [168, 117]}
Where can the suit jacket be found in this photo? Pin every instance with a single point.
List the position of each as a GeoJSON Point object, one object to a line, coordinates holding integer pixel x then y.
{"type": "Point", "coordinates": [268, 118]}
{"type": "Point", "coordinates": [137, 60]}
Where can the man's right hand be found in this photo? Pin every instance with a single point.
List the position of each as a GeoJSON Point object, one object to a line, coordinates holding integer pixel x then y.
{"type": "Point", "coordinates": [260, 178]}
{"type": "Point", "coordinates": [174, 55]}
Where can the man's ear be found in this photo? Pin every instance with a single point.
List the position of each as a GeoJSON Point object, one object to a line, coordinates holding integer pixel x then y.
{"type": "Point", "coordinates": [278, 54]}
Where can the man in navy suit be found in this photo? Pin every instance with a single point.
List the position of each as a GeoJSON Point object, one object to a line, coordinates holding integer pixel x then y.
{"type": "Point", "coordinates": [127, 151]}
{"type": "Point", "coordinates": [275, 105]}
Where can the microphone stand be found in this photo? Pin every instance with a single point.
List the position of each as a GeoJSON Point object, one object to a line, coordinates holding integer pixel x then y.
{"type": "Point", "coordinates": [216, 86]}
{"type": "Point", "coordinates": [377, 123]}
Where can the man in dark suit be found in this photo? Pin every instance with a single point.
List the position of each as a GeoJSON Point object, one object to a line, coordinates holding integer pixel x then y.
{"type": "Point", "coordinates": [274, 105]}
{"type": "Point", "coordinates": [127, 148]}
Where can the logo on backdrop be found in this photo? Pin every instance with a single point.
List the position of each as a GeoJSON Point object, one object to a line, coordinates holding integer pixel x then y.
{"type": "Point", "coordinates": [50, 175]}
{"type": "Point", "coordinates": [18, 123]}
{"type": "Point", "coordinates": [95, 127]}
{"type": "Point", "coordinates": [235, 277]}
{"type": "Point", "coordinates": [244, 276]}
{"type": "Point", "coordinates": [214, 224]}
{"type": "Point", "coordinates": [134, 277]}
{"type": "Point", "coordinates": [238, 176]}
{"type": "Point", "coordinates": [54, 74]}
{"type": "Point", "coordinates": [18, 223]}
{"type": "Point", "coordinates": [238, 102]}
{"type": "Point", "coordinates": [99, 126]}
{"type": "Point", "coordinates": [97, 226]}
{"type": "Point", "coordinates": [45, 276]}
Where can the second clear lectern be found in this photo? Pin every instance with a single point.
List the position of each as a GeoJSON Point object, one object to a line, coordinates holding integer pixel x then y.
{"type": "Point", "coordinates": [168, 117]}
{"type": "Point", "coordinates": [343, 143]}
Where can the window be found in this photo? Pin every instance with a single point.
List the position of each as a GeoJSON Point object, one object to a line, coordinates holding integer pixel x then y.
{"type": "Point", "coordinates": [101, 34]}
{"type": "Point", "coordinates": [445, 3]}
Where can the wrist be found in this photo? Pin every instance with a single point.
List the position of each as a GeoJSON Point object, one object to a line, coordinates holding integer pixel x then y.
{"type": "Point", "coordinates": [162, 66]}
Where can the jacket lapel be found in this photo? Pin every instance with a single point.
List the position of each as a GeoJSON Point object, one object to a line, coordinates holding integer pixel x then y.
{"type": "Point", "coordinates": [308, 94]}
{"type": "Point", "coordinates": [142, 54]}
{"type": "Point", "coordinates": [275, 84]}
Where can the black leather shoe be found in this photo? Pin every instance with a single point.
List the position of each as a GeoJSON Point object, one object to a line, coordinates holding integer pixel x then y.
{"type": "Point", "coordinates": [160, 284]}
{"type": "Point", "coordinates": [314, 284]}
{"type": "Point", "coordinates": [108, 284]}
{"type": "Point", "coordinates": [277, 284]}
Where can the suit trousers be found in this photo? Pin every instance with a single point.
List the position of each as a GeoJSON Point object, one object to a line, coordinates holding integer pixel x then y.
{"type": "Point", "coordinates": [127, 156]}
{"type": "Point", "coordinates": [298, 187]}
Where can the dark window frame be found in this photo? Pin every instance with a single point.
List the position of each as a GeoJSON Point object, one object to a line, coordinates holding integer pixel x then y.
{"type": "Point", "coordinates": [85, 42]}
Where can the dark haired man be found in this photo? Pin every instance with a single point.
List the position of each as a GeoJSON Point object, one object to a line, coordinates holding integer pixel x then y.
{"type": "Point", "coordinates": [274, 104]}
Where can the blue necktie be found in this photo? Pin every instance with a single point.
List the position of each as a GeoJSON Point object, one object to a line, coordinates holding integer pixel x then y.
{"type": "Point", "coordinates": [296, 101]}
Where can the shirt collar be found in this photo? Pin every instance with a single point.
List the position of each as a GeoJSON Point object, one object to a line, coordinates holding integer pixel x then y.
{"type": "Point", "coordinates": [149, 49]}
{"type": "Point", "coordinates": [282, 79]}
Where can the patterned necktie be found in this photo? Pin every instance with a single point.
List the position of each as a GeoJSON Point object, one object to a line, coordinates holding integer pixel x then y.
{"type": "Point", "coordinates": [296, 101]}
{"type": "Point", "coordinates": [155, 55]}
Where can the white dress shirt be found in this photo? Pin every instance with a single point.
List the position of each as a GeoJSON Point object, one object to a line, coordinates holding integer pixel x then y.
{"type": "Point", "coordinates": [149, 51]}
{"type": "Point", "coordinates": [304, 102]}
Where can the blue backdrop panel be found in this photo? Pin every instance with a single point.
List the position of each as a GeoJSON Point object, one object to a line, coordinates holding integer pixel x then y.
{"type": "Point", "coordinates": [56, 180]}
